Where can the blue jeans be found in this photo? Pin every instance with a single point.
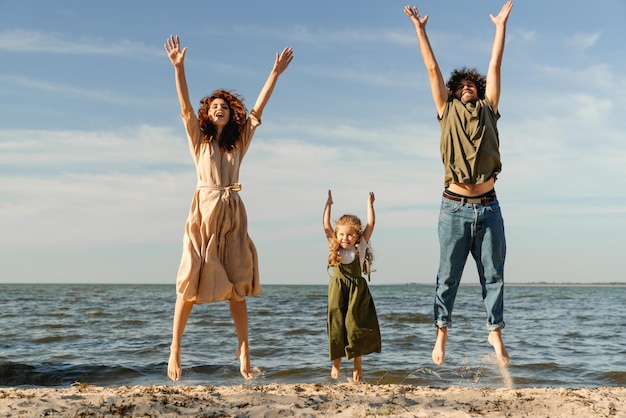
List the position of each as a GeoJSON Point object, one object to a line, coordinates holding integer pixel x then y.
{"type": "Point", "coordinates": [479, 229]}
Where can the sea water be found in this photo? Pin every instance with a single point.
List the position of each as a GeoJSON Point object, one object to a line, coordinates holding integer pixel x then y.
{"type": "Point", "coordinates": [113, 335]}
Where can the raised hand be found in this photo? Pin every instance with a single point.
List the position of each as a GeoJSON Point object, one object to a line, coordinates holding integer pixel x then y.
{"type": "Point", "coordinates": [172, 47]}
{"type": "Point", "coordinates": [503, 15]}
{"type": "Point", "coordinates": [283, 60]}
{"type": "Point", "coordinates": [412, 12]}
{"type": "Point", "coordinates": [330, 199]}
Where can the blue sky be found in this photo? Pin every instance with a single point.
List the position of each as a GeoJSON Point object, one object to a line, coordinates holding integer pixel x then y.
{"type": "Point", "coordinates": [96, 177]}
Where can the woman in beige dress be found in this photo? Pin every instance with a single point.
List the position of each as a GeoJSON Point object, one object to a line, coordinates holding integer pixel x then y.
{"type": "Point", "coordinates": [219, 260]}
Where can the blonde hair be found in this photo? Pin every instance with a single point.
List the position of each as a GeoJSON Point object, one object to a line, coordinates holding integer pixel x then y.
{"type": "Point", "coordinates": [350, 221]}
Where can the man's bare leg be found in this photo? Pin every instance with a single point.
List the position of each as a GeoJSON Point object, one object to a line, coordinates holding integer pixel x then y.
{"type": "Point", "coordinates": [182, 310]}
{"type": "Point", "coordinates": [239, 312]}
{"type": "Point", "coordinates": [357, 374]}
{"type": "Point", "coordinates": [334, 372]}
{"type": "Point", "coordinates": [495, 339]}
{"type": "Point", "coordinates": [439, 350]}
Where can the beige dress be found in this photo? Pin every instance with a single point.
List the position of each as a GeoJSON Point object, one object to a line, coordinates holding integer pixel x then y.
{"type": "Point", "coordinates": [219, 260]}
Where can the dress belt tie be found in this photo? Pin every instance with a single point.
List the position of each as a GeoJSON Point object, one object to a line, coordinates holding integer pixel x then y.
{"type": "Point", "coordinates": [235, 187]}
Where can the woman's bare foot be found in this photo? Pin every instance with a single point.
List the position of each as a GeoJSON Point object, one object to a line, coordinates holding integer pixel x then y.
{"type": "Point", "coordinates": [439, 350]}
{"type": "Point", "coordinates": [243, 354]}
{"type": "Point", "coordinates": [495, 339]}
{"type": "Point", "coordinates": [173, 365]}
{"type": "Point", "coordinates": [334, 372]}
{"type": "Point", "coordinates": [357, 374]}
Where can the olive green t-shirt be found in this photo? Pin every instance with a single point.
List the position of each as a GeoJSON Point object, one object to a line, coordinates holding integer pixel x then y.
{"type": "Point", "coordinates": [469, 145]}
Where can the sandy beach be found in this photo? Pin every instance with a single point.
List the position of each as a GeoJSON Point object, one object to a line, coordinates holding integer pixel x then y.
{"type": "Point", "coordinates": [310, 400]}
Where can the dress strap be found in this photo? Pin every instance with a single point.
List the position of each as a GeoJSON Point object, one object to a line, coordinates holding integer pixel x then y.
{"type": "Point", "coordinates": [365, 265]}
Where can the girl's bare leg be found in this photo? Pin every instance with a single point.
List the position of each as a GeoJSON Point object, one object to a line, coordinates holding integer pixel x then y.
{"type": "Point", "coordinates": [334, 372]}
{"type": "Point", "coordinates": [182, 310]}
{"type": "Point", "coordinates": [357, 374]}
{"type": "Point", "coordinates": [439, 350]}
{"type": "Point", "coordinates": [239, 312]}
{"type": "Point", "coordinates": [495, 339]}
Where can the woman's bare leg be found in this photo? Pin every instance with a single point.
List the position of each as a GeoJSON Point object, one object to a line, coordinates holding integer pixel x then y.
{"type": "Point", "coordinates": [239, 312]}
{"type": "Point", "coordinates": [357, 374]}
{"type": "Point", "coordinates": [182, 310]}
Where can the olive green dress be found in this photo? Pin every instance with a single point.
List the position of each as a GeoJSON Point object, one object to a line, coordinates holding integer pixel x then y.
{"type": "Point", "coordinates": [353, 328]}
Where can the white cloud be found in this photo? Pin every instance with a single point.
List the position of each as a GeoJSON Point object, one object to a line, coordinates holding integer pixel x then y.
{"type": "Point", "coordinates": [94, 95]}
{"type": "Point", "coordinates": [324, 36]}
{"type": "Point", "coordinates": [92, 187]}
{"type": "Point", "coordinates": [134, 185]}
{"type": "Point", "coordinates": [92, 151]}
{"type": "Point", "coordinates": [29, 41]}
{"type": "Point", "coordinates": [583, 41]}
{"type": "Point", "coordinates": [523, 36]}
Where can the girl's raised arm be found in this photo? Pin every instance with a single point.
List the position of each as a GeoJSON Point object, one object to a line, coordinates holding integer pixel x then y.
{"type": "Point", "coordinates": [328, 228]}
{"type": "Point", "coordinates": [371, 217]}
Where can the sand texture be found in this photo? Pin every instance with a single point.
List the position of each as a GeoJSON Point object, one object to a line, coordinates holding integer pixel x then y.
{"type": "Point", "coordinates": [310, 400]}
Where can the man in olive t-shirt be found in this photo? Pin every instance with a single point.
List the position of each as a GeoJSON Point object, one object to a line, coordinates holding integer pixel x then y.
{"type": "Point", "coordinates": [469, 219]}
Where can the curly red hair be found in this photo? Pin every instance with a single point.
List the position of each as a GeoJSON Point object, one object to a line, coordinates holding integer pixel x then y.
{"type": "Point", "coordinates": [238, 115]}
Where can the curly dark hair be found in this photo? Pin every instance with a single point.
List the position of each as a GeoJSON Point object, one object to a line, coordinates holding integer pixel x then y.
{"type": "Point", "coordinates": [238, 114]}
{"type": "Point", "coordinates": [470, 74]}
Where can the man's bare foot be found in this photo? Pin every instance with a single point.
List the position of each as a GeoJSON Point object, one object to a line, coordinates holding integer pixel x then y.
{"type": "Point", "coordinates": [495, 339]}
{"type": "Point", "coordinates": [243, 354]}
{"type": "Point", "coordinates": [173, 365]}
{"type": "Point", "coordinates": [439, 350]}
{"type": "Point", "coordinates": [334, 372]}
{"type": "Point", "coordinates": [357, 374]}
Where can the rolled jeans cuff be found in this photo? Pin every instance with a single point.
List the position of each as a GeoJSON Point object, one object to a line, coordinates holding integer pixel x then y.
{"type": "Point", "coordinates": [495, 327]}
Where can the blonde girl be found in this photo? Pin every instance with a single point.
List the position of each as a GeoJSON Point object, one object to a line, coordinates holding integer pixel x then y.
{"type": "Point", "coordinates": [353, 329]}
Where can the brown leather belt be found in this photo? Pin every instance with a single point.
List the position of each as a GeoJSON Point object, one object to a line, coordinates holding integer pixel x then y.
{"type": "Point", "coordinates": [470, 200]}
